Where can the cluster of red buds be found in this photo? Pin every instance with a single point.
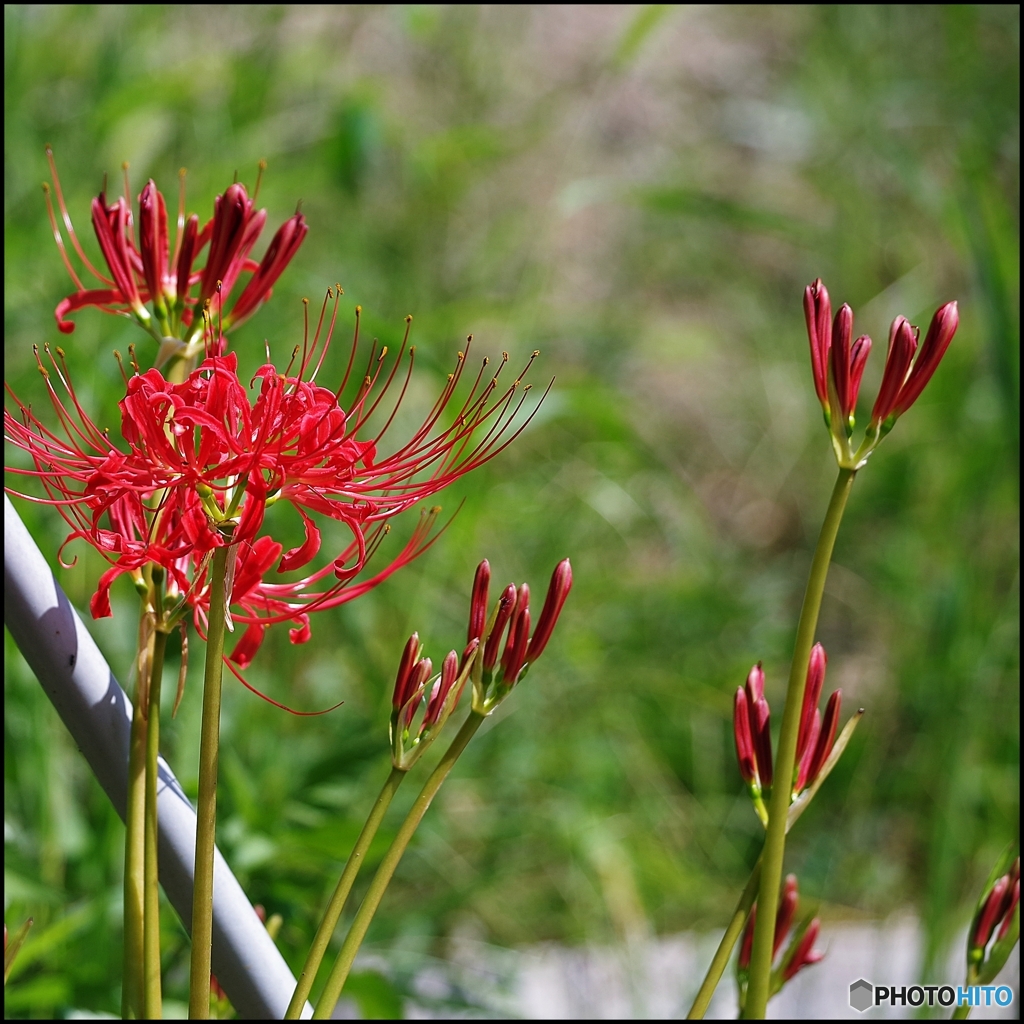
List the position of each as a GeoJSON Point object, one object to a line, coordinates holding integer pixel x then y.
{"type": "Point", "coordinates": [998, 908]}
{"type": "Point", "coordinates": [816, 739]}
{"type": "Point", "coordinates": [800, 952]}
{"type": "Point", "coordinates": [838, 365]}
{"type": "Point", "coordinates": [148, 271]}
{"type": "Point", "coordinates": [493, 679]}
{"type": "Point", "coordinates": [438, 695]}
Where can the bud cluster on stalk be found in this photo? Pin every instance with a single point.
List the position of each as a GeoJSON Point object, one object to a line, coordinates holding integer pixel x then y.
{"type": "Point", "coordinates": [416, 688]}
{"type": "Point", "coordinates": [817, 748]}
{"type": "Point", "coordinates": [838, 364]}
{"type": "Point", "coordinates": [799, 953]}
{"type": "Point", "coordinates": [494, 677]}
{"type": "Point", "coordinates": [997, 916]}
{"type": "Point", "coordinates": [423, 701]}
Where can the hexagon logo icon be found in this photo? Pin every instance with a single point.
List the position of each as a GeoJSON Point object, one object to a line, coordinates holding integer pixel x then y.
{"type": "Point", "coordinates": [860, 995]}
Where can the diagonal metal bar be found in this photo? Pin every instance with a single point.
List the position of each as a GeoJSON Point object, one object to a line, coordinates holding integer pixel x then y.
{"type": "Point", "coordinates": [98, 714]}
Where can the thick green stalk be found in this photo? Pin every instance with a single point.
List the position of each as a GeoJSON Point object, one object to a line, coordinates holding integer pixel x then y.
{"type": "Point", "coordinates": [337, 904]}
{"type": "Point", "coordinates": [151, 916]}
{"type": "Point", "coordinates": [206, 805]}
{"type": "Point", "coordinates": [134, 856]}
{"type": "Point", "coordinates": [364, 915]}
{"type": "Point", "coordinates": [778, 809]}
{"type": "Point", "coordinates": [732, 933]}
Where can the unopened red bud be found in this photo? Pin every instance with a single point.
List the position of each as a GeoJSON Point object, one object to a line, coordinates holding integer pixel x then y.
{"type": "Point", "coordinates": [826, 737]}
{"type": "Point", "coordinates": [858, 360]}
{"type": "Point", "coordinates": [522, 603]}
{"type": "Point", "coordinates": [812, 694]}
{"type": "Point", "coordinates": [940, 334]}
{"type": "Point", "coordinates": [842, 331]}
{"type": "Point", "coordinates": [748, 939]}
{"type": "Point", "coordinates": [478, 602]}
{"type": "Point", "coordinates": [153, 241]}
{"type": "Point", "coordinates": [471, 649]}
{"type": "Point", "coordinates": [744, 740]}
{"type": "Point", "coordinates": [417, 679]}
{"type": "Point", "coordinates": [786, 913]}
{"type": "Point", "coordinates": [902, 345]}
{"type": "Point", "coordinates": [760, 720]}
{"type": "Point", "coordinates": [805, 954]}
{"type": "Point", "coordinates": [506, 606]}
{"type": "Point", "coordinates": [804, 766]}
{"type": "Point", "coordinates": [229, 222]}
{"type": "Point", "coordinates": [515, 653]}
{"type": "Point", "coordinates": [449, 673]}
{"type": "Point", "coordinates": [818, 314]}
{"type": "Point", "coordinates": [558, 591]}
{"type": "Point", "coordinates": [991, 912]}
{"type": "Point", "coordinates": [186, 255]}
{"type": "Point", "coordinates": [402, 689]}
{"type": "Point", "coordinates": [284, 245]}
{"type": "Point", "coordinates": [755, 683]}
{"type": "Point", "coordinates": [1008, 916]}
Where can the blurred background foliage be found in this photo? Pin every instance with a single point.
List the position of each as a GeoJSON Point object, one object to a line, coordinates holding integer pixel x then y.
{"type": "Point", "coordinates": [641, 193]}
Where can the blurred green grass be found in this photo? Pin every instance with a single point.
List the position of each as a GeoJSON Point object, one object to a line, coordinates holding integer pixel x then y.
{"type": "Point", "coordinates": [642, 195]}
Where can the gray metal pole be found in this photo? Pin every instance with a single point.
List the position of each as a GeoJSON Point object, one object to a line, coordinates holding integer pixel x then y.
{"type": "Point", "coordinates": [98, 714]}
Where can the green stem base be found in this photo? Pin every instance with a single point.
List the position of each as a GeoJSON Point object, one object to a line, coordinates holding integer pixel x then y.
{"type": "Point", "coordinates": [337, 903]}
{"type": "Point", "coordinates": [725, 947]}
{"type": "Point", "coordinates": [206, 804]}
{"type": "Point", "coordinates": [151, 873]}
{"type": "Point", "coordinates": [339, 973]}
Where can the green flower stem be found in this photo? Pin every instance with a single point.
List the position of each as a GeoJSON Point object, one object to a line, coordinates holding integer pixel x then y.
{"type": "Point", "coordinates": [354, 939]}
{"type": "Point", "coordinates": [133, 980]}
{"type": "Point", "coordinates": [963, 1012]}
{"type": "Point", "coordinates": [151, 916]}
{"type": "Point", "coordinates": [775, 843]}
{"type": "Point", "coordinates": [732, 933]}
{"type": "Point", "coordinates": [337, 904]}
{"type": "Point", "coordinates": [206, 809]}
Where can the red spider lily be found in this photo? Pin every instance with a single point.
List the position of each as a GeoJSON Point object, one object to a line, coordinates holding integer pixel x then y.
{"type": "Point", "coordinates": [149, 272]}
{"type": "Point", "coordinates": [204, 461]}
{"type": "Point", "coordinates": [838, 368]}
{"type": "Point", "coordinates": [800, 952]}
{"type": "Point", "coordinates": [493, 681]}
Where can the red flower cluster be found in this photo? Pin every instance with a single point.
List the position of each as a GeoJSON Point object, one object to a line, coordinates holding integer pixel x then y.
{"type": "Point", "coordinates": [838, 367]}
{"type": "Point", "coordinates": [149, 272]}
{"type": "Point", "coordinates": [800, 953]}
{"type": "Point", "coordinates": [204, 461]}
{"type": "Point", "coordinates": [815, 739]}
